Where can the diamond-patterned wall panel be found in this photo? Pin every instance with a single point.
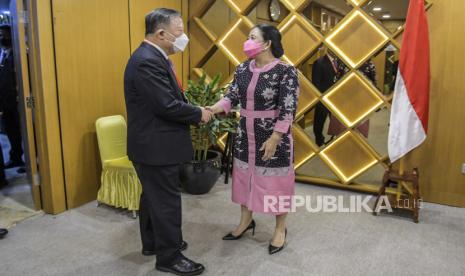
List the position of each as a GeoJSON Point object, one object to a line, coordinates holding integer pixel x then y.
{"type": "Point", "coordinates": [308, 95]}
{"type": "Point", "coordinates": [356, 39]}
{"type": "Point", "coordinates": [294, 4]}
{"type": "Point", "coordinates": [347, 157]}
{"type": "Point", "coordinates": [352, 99]}
{"type": "Point", "coordinates": [298, 35]}
{"type": "Point", "coordinates": [304, 148]}
{"type": "Point", "coordinates": [358, 2]}
{"type": "Point", "coordinates": [240, 5]}
{"type": "Point", "coordinates": [399, 38]}
{"type": "Point", "coordinates": [231, 41]}
{"type": "Point", "coordinates": [200, 44]}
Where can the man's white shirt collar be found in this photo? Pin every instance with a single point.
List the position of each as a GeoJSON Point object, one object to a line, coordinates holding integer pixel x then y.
{"type": "Point", "coordinates": [156, 46]}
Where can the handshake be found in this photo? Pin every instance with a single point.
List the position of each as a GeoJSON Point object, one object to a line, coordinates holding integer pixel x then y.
{"type": "Point", "coordinates": [208, 113]}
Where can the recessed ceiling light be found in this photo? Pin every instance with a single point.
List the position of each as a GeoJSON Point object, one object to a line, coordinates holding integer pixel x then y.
{"type": "Point", "coordinates": [386, 16]}
{"type": "Point", "coordinates": [377, 9]}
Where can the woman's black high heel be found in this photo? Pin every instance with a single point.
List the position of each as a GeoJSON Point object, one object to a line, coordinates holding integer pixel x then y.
{"type": "Point", "coordinates": [231, 237]}
{"type": "Point", "coordinates": [273, 249]}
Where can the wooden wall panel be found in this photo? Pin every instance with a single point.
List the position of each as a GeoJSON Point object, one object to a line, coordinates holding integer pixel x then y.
{"type": "Point", "coordinates": [440, 158]}
{"type": "Point", "coordinates": [138, 9]}
{"type": "Point", "coordinates": [92, 47]}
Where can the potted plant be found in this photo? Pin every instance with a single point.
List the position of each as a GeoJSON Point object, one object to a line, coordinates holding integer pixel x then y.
{"type": "Point", "coordinates": [201, 174]}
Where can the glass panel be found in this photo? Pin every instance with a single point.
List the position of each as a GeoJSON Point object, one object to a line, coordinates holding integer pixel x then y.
{"type": "Point", "coordinates": [239, 5]}
{"type": "Point", "coordinates": [237, 32]}
{"type": "Point", "coordinates": [308, 95]}
{"type": "Point", "coordinates": [325, 14]}
{"type": "Point", "coordinates": [217, 64]}
{"type": "Point", "coordinates": [217, 18]}
{"type": "Point", "coordinates": [322, 70]}
{"type": "Point", "coordinates": [399, 37]}
{"type": "Point", "coordinates": [304, 148]}
{"type": "Point", "coordinates": [315, 167]}
{"type": "Point", "coordinates": [356, 39]}
{"type": "Point", "coordinates": [348, 157]}
{"type": "Point", "coordinates": [374, 175]}
{"type": "Point", "coordinates": [262, 13]}
{"type": "Point", "coordinates": [389, 13]}
{"type": "Point", "coordinates": [358, 2]}
{"type": "Point", "coordinates": [386, 63]}
{"type": "Point", "coordinates": [352, 99]}
{"type": "Point", "coordinates": [295, 4]}
{"type": "Point", "coordinates": [298, 38]}
{"type": "Point", "coordinates": [375, 131]}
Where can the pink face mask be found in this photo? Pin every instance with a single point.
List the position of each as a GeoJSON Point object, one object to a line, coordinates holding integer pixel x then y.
{"type": "Point", "coordinates": [252, 48]}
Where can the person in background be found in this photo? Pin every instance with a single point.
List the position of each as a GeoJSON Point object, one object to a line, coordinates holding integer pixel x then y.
{"type": "Point", "coordinates": [9, 99]}
{"type": "Point", "coordinates": [159, 141]}
{"type": "Point", "coordinates": [326, 71]}
{"type": "Point", "coordinates": [267, 90]}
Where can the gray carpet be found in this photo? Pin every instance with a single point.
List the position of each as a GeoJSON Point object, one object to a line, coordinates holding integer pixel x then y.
{"type": "Point", "coordinates": [103, 241]}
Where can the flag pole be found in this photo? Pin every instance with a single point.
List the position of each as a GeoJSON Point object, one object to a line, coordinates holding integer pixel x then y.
{"type": "Point", "coordinates": [401, 173]}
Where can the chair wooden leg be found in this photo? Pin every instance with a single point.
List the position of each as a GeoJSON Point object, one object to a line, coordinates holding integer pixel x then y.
{"type": "Point", "coordinates": [382, 191]}
{"type": "Point", "coordinates": [416, 196]}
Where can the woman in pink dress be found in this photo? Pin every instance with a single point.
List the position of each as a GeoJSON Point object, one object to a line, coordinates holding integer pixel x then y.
{"type": "Point", "coordinates": [266, 89]}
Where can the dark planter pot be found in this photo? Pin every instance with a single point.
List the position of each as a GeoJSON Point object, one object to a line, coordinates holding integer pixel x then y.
{"type": "Point", "coordinates": [198, 177]}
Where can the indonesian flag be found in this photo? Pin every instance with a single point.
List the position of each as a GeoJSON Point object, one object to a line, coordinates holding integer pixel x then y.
{"type": "Point", "coordinates": [409, 112]}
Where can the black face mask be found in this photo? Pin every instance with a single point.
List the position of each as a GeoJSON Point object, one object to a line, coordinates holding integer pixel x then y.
{"type": "Point", "coordinates": [6, 42]}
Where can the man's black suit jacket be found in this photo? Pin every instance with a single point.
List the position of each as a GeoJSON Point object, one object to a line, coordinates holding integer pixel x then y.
{"type": "Point", "coordinates": [8, 89]}
{"type": "Point", "coordinates": [159, 116]}
{"type": "Point", "coordinates": [323, 74]}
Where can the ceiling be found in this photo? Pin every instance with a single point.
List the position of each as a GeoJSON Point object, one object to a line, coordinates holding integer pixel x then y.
{"type": "Point", "coordinates": [396, 8]}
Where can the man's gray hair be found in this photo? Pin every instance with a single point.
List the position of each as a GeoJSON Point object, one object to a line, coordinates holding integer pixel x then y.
{"type": "Point", "coordinates": [159, 18]}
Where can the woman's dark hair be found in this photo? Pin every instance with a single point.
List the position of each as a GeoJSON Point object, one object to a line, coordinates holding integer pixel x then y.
{"type": "Point", "coordinates": [271, 33]}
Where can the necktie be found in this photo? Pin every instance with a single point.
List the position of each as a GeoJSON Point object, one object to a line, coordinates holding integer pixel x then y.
{"type": "Point", "coordinates": [174, 72]}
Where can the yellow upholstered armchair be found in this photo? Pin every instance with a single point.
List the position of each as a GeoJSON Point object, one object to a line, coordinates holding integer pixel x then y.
{"type": "Point", "coordinates": [120, 186]}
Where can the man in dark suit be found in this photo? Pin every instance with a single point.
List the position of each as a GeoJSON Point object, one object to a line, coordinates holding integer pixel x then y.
{"type": "Point", "coordinates": [159, 119]}
{"type": "Point", "coordinates": [325, 73]}
{"type": "Point", "coordinates": [9, 99]}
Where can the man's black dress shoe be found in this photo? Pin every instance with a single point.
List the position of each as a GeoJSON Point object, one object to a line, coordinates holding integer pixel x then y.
{"type": "Point", "coordinates": [11, 164]}
{"type": "Point", "coordinates": [3, 233]}
{"type": "Point", "coordinates": [146, 252]}
{"type": "Point", "coordinates": [183, 266]}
